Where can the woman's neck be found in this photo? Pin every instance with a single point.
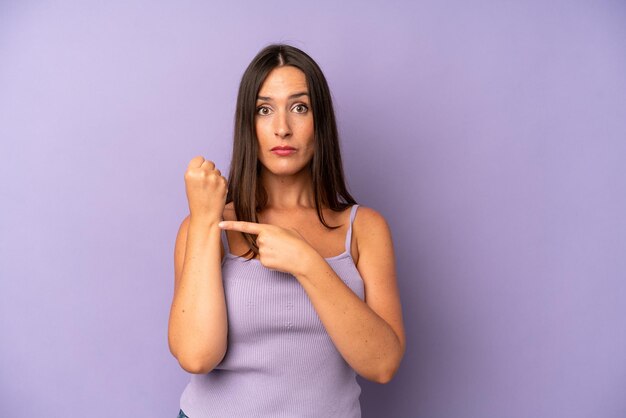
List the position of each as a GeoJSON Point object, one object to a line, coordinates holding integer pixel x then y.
{"type": "Point", "coordinates": [288, 192]}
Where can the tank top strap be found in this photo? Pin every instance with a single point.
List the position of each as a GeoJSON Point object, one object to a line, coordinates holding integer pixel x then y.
{"type": "Point", "coordinates": [349, 234]}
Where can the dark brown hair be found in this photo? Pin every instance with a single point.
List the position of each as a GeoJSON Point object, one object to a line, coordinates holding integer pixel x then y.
{"type": "Point", "coordinates": [244, 189]}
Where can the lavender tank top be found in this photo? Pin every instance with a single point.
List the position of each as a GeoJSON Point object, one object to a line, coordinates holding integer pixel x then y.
{"type": "Point", "coordinates": [280, 360]}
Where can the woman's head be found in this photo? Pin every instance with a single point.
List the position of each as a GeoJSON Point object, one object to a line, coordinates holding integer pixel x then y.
{"type": "Point", "coordinates": [284, 125]}
{"type": "Point", "coordinates": [325, 166]}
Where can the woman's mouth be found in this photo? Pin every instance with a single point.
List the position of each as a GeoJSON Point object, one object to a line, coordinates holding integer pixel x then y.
{"type": "Point", "coordinates": [283, 151]}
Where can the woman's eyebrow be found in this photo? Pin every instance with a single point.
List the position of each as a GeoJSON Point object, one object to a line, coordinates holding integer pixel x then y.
{"type": "Point", "coordinates": [293, 96]}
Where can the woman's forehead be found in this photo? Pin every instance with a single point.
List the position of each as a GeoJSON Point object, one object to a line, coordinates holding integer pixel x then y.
{"type": "Point", "coordinates": [283, 82]}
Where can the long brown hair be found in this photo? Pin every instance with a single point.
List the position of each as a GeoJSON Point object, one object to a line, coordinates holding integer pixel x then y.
{"type": "Point", "coordinates": [244, 189]}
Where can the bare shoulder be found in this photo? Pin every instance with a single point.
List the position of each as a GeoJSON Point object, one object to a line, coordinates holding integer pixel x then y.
{"type": "Point", "coordinates": [372, 235]}
{"type": "Point", "coordinates": [369, 217]}
{"type": "Point", "coordinates": [370, 224]}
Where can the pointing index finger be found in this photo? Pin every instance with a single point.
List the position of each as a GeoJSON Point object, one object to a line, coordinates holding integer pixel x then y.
{"type": "Point", "coordinates": [241, 226]}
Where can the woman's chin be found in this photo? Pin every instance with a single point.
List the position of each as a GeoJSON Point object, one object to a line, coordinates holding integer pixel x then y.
{"type": "Point", "coordinates": [285, 171]}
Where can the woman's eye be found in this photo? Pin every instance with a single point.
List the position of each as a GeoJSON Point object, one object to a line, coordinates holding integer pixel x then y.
{"type": "Point", "coordinates": [263, 110]}
{"type": "Point", "coordinates": [300, 108]}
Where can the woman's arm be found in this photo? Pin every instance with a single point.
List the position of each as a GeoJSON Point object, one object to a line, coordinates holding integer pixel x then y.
{"type": "Point", "coordinates": [198, 326]}
{"type": "Point", "coordinates": [369, 335]}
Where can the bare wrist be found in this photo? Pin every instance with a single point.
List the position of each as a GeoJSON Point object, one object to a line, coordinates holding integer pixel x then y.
{"type": "Point", "coordinates": [204, 221]}
{"type": "Point", "coordinates": [309, 263]}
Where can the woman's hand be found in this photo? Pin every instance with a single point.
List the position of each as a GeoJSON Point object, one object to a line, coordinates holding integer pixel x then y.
{"type": "Point", "coordinates": [279, 248]}
{"type": "Point", "coordinates": [206, 190]}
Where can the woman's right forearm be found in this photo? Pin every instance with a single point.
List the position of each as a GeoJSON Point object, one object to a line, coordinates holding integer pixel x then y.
{"type": "Point", "coordinates": [198, 324]}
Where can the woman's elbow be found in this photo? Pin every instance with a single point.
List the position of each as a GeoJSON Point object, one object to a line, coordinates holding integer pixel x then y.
{"type": "Point", "coordinates": [195, 367]}
{"type": "Point", "coordinates": [389, 370]}
{"type": "Point", "coordinates": [197, 364]}
{"type": "Point", "coordinates": [386, 376]}
{"type": "Point", "coordinates": [383, 373]}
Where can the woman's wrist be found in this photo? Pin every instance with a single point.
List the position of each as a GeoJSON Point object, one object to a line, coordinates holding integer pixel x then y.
{"type": "Point", "coordinates": [310, 262]}
{"type": "Point", "coordinates": [204, 221]}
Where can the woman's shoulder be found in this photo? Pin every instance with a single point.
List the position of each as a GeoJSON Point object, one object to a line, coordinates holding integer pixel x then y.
{"type": "Point", "coordinates": [367, 217]}
{"type": "Point", "coordinates": [373, 241]}
{"type": "Point", "coordinates": [370, 230]}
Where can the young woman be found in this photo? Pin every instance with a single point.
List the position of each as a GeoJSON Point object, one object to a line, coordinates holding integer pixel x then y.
{"type": "Point", "coordinates": [284, 291]}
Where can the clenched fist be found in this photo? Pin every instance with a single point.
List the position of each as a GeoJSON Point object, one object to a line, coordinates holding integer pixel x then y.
{"type": "Point", "coordinates": [206, 190]}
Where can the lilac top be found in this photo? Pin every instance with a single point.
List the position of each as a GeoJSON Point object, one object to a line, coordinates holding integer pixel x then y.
{"type": "Point", "coordinates": [280, 360]}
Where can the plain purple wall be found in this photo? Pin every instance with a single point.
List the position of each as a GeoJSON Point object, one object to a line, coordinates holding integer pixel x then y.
{"type": "Point", "coordinates": [490, 134]}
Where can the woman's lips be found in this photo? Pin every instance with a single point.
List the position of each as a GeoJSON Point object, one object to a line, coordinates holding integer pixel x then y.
{"type": "Point", "coordinates": [283, 151]}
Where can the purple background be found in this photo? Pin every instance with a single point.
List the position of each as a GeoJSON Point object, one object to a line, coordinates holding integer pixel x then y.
{"type": "Point", "coordinates": [490, 134]}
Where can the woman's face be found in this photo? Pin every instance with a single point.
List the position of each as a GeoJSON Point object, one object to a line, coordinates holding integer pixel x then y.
{"type": "Point", "coordinates": [284, 122]}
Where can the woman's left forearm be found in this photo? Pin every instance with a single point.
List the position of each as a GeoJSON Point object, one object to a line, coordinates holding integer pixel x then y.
{"type": "Point", "coordinates": [367, 343]}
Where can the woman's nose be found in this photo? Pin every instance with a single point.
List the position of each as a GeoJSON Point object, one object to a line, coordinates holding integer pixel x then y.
{"type": "Point", "coordinates": [281, 125]}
